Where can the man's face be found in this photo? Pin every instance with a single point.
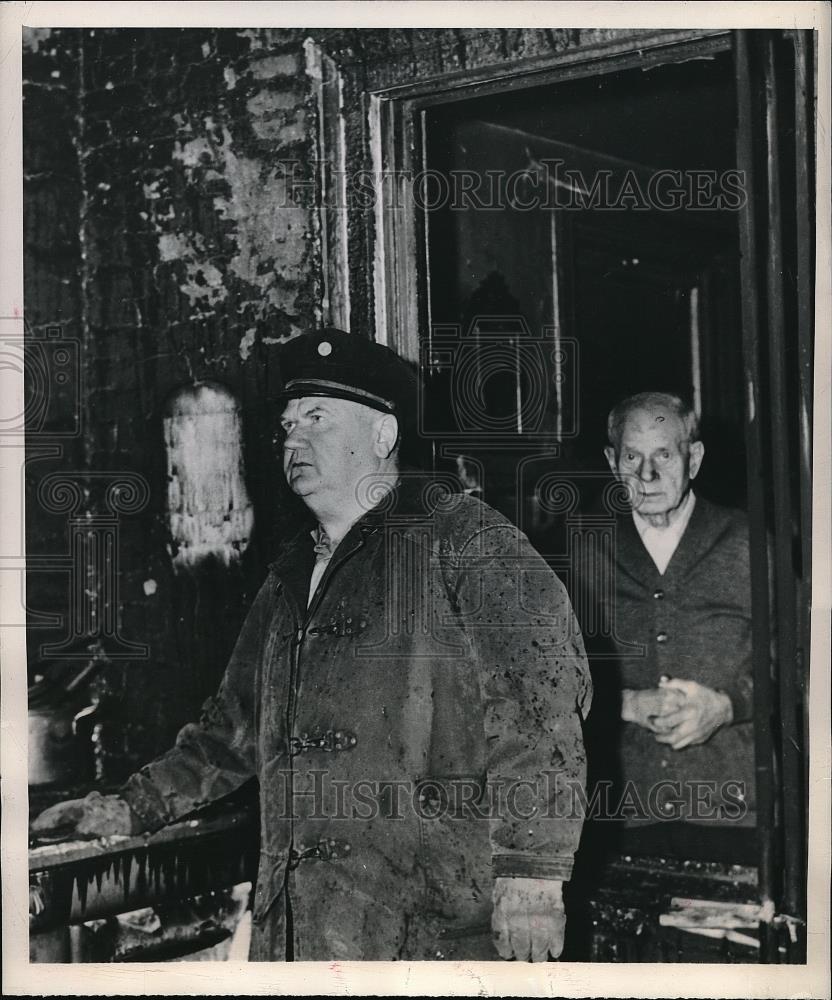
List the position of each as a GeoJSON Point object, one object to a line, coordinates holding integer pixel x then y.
{"type": "Point", "coordinates": [328, 449]}
{"type": "Point", "coordinates": [656, 459]}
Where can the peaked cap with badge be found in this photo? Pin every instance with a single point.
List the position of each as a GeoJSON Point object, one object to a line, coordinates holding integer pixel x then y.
{"type": "Point", "coordinates": [342, 365]}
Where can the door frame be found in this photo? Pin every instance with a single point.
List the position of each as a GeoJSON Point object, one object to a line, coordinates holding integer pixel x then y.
{"type": "Point", "coordinates": [397, 141]}
{"type": "Point", "coordinates": [381, 256]}
{"type": "Point", "coordinates": [371, 126]}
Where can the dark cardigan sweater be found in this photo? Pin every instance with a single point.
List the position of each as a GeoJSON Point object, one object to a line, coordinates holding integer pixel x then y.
{"type": "Point", "coordinates": [693, 623]}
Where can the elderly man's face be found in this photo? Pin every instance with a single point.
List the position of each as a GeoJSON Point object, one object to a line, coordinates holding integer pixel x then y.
{"type": "Point", "coordinates": [330, 445]}
{"type": "Point", "coordinates": [656, 459]}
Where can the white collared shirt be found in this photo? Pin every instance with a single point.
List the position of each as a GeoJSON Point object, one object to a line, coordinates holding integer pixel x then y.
{"type": "Point", "coordinates": [661, 543]}
{"type": "Point", "coordinates": [323, 553]}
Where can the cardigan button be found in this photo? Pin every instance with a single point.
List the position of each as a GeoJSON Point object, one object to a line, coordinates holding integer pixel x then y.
{"type": "Point", "coordinates": [658, 594]}
{"type": "Point", "coordinates": [661, 637]}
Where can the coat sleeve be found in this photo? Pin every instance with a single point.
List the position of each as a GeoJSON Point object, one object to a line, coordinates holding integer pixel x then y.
{"type": "Point", "coordinates": [535, 686]}
{"type": "Point", "coordinates": [215, 756]}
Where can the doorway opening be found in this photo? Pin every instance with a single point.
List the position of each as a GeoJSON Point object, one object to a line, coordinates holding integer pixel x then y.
{"type": "Point", "coordinates": [532, 303]}
{"type": "Point", "coordinates": [593, 226]}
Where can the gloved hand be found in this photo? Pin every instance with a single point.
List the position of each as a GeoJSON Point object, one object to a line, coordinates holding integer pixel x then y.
{"type": "Point", "coordinates": [96, 815]}
{"type": "Point", "coordinates": [528, 918]}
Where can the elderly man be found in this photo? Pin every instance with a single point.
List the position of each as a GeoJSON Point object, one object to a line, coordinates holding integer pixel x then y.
{"type": "Point", "coordinates": [682, 638]}
{"type": "Point", "coordinates": [406, 689]}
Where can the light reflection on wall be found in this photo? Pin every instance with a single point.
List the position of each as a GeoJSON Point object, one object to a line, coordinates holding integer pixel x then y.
{"type": "Point", "coordinates": [208, 507]}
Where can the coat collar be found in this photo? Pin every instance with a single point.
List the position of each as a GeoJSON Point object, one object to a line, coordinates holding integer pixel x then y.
{"type": "Point", "coordinates": [293, 568]}
{"type": "Point", "coordinates": [411, 498]}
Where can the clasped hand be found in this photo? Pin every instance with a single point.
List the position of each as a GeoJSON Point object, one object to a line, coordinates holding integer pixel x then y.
{"type": "Point", "coordinates": [680, 713]}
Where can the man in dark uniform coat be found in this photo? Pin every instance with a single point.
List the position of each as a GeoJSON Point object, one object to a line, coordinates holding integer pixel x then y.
{"type": "Point", "coordinates": [680, 664]}
{"type": "Point", "coordinates": [406, 689]}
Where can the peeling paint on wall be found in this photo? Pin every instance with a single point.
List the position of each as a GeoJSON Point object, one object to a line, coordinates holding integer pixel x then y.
{"type": "Point", "coordinates": [209, 510]}
{"type": "Point", "coordinates": [268, 235]}
{"type": "Point", "coordinates": [286, 64]}
{"type": "Point", "coordinates": [33, 38]}
{"type": "Point", "coordinates": [203, 281]}
{"type": "Point", "coordinates": [254, 37]}
{"type": "Point", "coordinates": [247, 343]}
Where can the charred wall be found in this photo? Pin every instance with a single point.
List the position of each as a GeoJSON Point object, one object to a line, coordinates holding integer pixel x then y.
{"type": "Point", "coordinates": [163, 238]}
{"type": "Point", "coordinates": [160, 236]}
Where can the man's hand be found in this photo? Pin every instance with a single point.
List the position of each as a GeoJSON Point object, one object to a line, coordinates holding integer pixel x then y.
{"type": "Point", "coordinates": [96, 815]}
{"type": "Point", "coordinates": [528, 920]}
{"type": "Point", "coordinates": [701, 713]}
{"type": "Point", "coordinates": [644, 707]}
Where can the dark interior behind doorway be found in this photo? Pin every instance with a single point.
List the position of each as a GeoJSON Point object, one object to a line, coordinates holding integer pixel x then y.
{"type": "Point", "coordinates": [632, 295]}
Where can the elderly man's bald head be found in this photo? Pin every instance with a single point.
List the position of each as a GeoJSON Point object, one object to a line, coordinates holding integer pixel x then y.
{"type": "Point", "coordinates": [651, 402]}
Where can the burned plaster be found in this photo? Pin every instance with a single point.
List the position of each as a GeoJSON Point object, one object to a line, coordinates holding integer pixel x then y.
{"type": "Point", "coordinates": [33, 38]}
{"type": "Point", "coordinates": [261, 240]}
{"type": "Point", "coordinates": [143, 148]}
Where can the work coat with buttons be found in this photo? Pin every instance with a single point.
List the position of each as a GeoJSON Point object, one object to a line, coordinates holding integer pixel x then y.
{"type": "Point", "coordinates": [415, 732]}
